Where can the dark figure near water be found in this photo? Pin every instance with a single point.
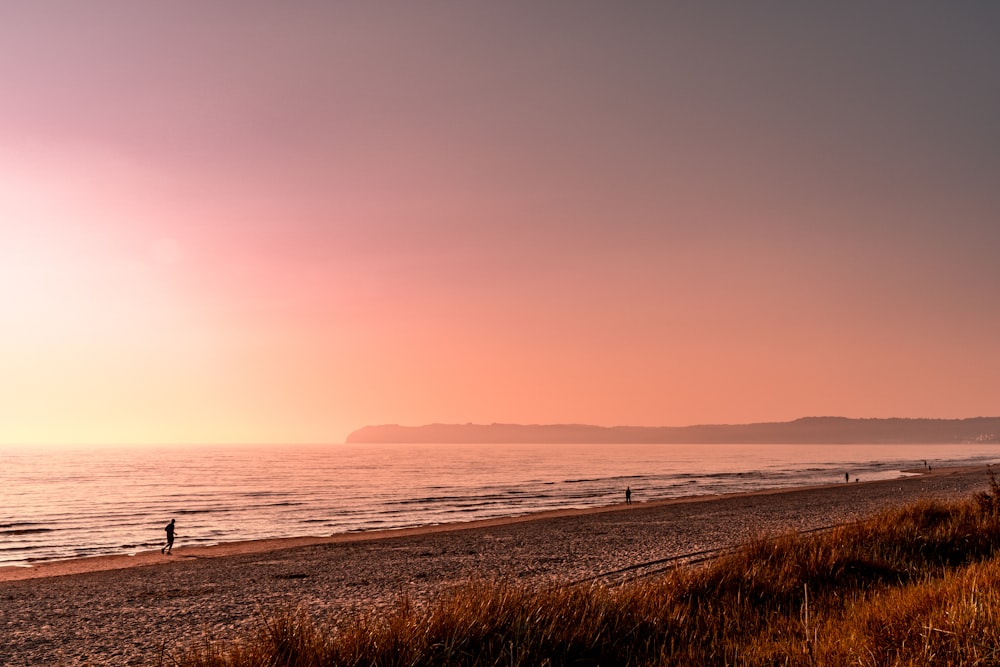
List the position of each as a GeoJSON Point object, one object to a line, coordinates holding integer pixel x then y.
{"type": "Point", "coordinates": [847, 477]}
{"type": "Point", "coordinates": [628, 495]}
{"type": "Point", "coordinates": [170, 538]}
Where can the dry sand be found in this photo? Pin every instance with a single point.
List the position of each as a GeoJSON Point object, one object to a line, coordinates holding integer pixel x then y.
{"type": "Point", "coordinates": [122, 610]}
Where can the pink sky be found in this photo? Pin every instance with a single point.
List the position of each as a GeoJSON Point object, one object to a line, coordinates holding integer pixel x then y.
{"type": "Point", "coordinates": [277, 223]}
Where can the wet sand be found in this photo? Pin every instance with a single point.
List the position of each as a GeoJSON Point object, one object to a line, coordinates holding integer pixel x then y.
{"type": "Point", "coordinates": [129, 610]}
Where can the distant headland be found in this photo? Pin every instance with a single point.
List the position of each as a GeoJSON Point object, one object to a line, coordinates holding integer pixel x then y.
{"type": "Point", "coordinates": [808, 430]}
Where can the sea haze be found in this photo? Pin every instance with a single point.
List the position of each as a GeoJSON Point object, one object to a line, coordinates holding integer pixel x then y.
{"type": "Point", "coordinates": [79, 502]}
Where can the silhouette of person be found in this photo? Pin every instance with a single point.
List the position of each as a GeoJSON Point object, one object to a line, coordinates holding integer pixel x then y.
{"type": "Point", "coordinates": [628, 495]}
{"type": "Point", "coordinates": [847, 477]}
{"type": "Point", "coordinates": [170, 538]}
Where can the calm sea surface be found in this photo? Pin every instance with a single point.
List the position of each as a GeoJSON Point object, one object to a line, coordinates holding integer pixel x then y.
{"type": "Point", "coordinates": [83, 502]}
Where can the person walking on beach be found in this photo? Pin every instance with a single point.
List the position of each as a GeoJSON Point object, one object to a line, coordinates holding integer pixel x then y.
{"type": "Point", "coordinates": [847, 477]}
{"type": "Point", "coordinates": [628, 495]}
{"type": "Point", "coordinates": [170, 538]}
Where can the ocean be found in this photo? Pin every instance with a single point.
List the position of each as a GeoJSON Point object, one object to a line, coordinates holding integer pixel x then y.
{"type": "Point", "coordinates": [78, 502]}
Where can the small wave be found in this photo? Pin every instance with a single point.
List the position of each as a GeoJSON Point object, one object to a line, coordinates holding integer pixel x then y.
{"type": "Point", "coordinates": [26, 531]}
{"type": "Point", "coordinates": [86, 551]}
{"type": "Point", "coordinates": [16, 549]}
{"type": "Point", "coordinates": [730, 475]}
{"type": "Point", "coordinates": [464, 506]}
{"type": "Point", "coordinates": [428, 500]}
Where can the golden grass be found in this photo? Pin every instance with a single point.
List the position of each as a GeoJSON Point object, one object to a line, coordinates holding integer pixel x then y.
{"type": "Point", "coordinates": [916, 586]}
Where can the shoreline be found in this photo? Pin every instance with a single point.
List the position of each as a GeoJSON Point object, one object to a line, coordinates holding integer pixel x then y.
{"type": "Point", "coordinates": [72, 566]}
{"type": "Point", "coordinates": [122, 610]}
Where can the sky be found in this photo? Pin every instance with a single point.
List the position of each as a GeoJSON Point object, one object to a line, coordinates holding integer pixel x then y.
{"type": "Point", "coordinates": [278, 222]}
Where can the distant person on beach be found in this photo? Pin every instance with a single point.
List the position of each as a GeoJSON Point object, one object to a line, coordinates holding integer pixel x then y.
{"type": "Point", "coordinates": [847, 477]}
{"type": "Point", "coordinates": [170, 538]}
{"type": "Point", "coordinates": [628, 495]}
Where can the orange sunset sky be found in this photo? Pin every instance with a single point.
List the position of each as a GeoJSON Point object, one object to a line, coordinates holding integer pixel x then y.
{"type": "Point", "coordinates": [278, 222]}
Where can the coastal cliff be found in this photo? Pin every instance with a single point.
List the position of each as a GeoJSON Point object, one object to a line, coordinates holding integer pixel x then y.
{"type": "Point", "coordinates": [808, 430]}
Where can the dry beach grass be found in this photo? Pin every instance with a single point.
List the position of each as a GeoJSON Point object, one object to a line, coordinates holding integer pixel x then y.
{"type": "Point", "coordinates": [139, 610]}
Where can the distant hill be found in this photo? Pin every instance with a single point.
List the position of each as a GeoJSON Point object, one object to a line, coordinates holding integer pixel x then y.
{"type": "Point", "coordinates": [808, 430]}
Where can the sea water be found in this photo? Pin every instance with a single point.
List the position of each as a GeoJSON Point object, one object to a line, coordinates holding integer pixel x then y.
{"type": "Point", "coordinates": [77, 502]}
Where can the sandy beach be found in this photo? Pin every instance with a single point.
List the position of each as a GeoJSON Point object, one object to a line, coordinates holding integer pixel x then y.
{"type": "Point", "coordinates": [130, 610]}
